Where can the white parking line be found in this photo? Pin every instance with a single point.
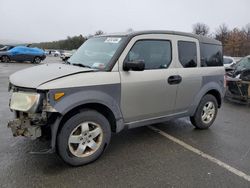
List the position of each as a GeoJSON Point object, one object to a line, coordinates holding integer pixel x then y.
{"type": "Point", "coordinates": [202, 154]}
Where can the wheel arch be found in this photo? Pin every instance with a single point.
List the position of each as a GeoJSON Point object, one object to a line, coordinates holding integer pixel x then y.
{"type": "Point", "coordinates": [217, 95]}
{"type": "Point", "coordinates": [101, 108]}
{"type": "Point", "coordinates": [211, 88]}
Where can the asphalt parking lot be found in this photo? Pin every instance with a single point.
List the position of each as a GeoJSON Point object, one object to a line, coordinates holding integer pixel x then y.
{"type": "Point", "coordinates": [140, 157]}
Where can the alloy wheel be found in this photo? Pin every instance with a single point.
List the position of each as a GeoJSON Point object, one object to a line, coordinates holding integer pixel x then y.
{"type": "Point", "coordinates": [208, 112]}
{"type": "Point", "coordinates": [85, 139]}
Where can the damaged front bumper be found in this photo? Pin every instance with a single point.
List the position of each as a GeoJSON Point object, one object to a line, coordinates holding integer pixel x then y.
{"type": "Point", "coordinates": [28, 125]}
{"type": "Point", "coordinates": [22, 128]}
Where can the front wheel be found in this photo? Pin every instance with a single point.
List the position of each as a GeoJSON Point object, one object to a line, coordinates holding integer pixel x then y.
{"type": "Point", "coordinates": [83, 138]}
{"type": "Point", "coordinates": [5, 59]}
{"type": "Point", "coordinates": [206, 112]}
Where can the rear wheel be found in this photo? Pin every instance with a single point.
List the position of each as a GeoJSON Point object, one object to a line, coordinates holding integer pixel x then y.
{"type": "Point", "coordinates": [83, 138]}
{"type": "Point", "coordinates": [206, 112]}
{"type": "Point", "coordinates": [37, 60]}
{"type": "Point", "coordinates": [5, 59]}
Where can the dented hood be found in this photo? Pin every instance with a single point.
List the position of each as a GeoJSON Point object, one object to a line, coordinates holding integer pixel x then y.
{"type": "Point", "coordinates": [38, 75]}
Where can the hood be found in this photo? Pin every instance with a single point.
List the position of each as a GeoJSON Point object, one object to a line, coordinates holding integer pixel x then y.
{"type": "Point", "coordinates": [38, 75]}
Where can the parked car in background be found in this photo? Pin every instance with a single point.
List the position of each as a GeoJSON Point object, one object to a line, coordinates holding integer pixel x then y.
{"type": "Point", "coordinates": [228, 61]}
{"type": "Point", "coordinates": [242, 65]}
{"type": "Point", "coordinates": [6, 48]}
{"type": "Point", "coordinates": [22, 53]}
{"type": "Point", "coordinates": [54, 53]}
{"type": "Point", "coordinates": [67, 54]}
{"type": "Point", "coordinates": [238, 81]}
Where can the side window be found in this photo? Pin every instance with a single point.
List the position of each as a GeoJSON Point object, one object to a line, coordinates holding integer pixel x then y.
{"type": "Point", "coordinates": [187, 53]}
{"type": "Point", "coordinates": [156, 54]}
{"type": "Point", "coordinates": [211, 55]}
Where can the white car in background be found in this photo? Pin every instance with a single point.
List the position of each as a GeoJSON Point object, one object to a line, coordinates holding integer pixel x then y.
{"type": "Point", "coordinates": [54, 53]}
{"type": "Point", "coordinates": [67, 54]}
{"type": "Point", "coordinates": [228, 61]}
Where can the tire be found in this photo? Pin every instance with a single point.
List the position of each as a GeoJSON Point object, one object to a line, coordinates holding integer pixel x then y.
{"type": "Point", "coordinates": [74, 143]}
{"type": "Point", "coordinates": [37, 60]}
{"type": "Point", "coordinates": [5, 59]}
{"type": "Point", "coordinates": [205, 113]}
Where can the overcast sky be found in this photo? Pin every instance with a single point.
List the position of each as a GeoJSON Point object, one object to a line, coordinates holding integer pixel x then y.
{"type": "Point", "coordinates": [47, 20]}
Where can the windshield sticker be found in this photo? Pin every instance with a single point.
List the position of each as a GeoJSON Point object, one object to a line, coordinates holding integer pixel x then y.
{"type": "Point", "coordinates": [112, 40]}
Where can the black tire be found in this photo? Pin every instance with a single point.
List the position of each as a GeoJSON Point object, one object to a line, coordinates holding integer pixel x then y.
{"type": "Point", "coordinates": [196, 120]}
{"type": "Point", "coordinates": [5, 59]}
{"type": "Point", "coordinates": [37, 60]}
{"type": "Point", "coordinates": [64, 149]}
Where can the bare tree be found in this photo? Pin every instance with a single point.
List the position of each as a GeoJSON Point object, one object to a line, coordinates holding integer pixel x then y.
{"type": "Point", "coordinates": [246, 30]}
{"type": "Point", "coordinates": [222, 33]}
{"type": "Point", "coordinates": [200, 29]}
{"type": "Point", "coordinates": [99, 32]}
{"type": "Point", "coordinates": [246, 43]}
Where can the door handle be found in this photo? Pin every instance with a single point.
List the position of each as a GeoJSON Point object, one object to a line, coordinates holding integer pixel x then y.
{"type": "Point", "coordinates": [174, 79]}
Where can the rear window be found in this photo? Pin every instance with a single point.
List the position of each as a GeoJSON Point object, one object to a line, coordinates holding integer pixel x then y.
{"type": "Point", "coordinates": [211, 55]}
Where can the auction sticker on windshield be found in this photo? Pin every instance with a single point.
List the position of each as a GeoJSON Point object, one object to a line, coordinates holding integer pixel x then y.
{"type": "Point", "coordinates": [112, 40]}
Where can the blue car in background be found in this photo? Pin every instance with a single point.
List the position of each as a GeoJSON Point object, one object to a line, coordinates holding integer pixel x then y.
{"type": "Point", "coordinates": [23, 53]}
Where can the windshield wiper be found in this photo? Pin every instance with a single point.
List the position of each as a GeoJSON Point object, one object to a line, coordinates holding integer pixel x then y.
{"type": "Point", "coordinates": [81, 65]}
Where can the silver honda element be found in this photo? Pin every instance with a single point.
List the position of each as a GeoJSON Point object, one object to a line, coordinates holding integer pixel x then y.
{"type": "Point", "coordinates": [117, 81]}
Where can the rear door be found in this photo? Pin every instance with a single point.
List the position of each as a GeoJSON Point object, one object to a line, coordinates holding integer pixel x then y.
{"type": "Point", "coordinates": [147, 94]}
{"type": "Point", "coordinates": [29, 55]}
{"type": "Point", "coordinates": [188, 64]}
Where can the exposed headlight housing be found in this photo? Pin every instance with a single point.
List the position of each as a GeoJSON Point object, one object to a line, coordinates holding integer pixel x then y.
{"type": "Point", "coordinates": [24, 101]}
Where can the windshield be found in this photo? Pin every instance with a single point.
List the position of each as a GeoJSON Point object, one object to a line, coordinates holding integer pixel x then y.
{"type": "Point", "coordinates": [96, 52]}
{"type": "Point", "coordinates": [243, 64]}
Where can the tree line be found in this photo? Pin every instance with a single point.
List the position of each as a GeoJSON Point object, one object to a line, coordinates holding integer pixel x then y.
{"type": "Point", "coordinates": [68, 44]}
{"type": "Point", "coordinates": [236, 42]}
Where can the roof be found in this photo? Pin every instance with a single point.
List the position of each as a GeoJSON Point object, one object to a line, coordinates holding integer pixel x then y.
{"type": "Point", "coordinates": [201, 38]}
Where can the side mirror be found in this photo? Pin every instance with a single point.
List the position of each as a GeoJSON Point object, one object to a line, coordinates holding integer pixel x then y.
{"type": "Point", "coordinates": [137, 65]}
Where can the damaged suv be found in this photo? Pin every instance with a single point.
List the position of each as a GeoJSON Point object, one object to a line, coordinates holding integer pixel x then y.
{"type": "Point", "coordinates": [117, 81]}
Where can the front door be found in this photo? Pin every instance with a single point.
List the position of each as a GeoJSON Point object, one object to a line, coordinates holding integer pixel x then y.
{"type": "Point", "coordinates": [147, 94]}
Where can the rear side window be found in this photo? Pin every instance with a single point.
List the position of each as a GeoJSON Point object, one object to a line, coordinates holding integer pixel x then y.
{"type": "Point", "coordinates": [211, 55]}
{"type": "Point", "coordinates": [156, 54]}
{"type": "Point", "coordinates": [187, 53]}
